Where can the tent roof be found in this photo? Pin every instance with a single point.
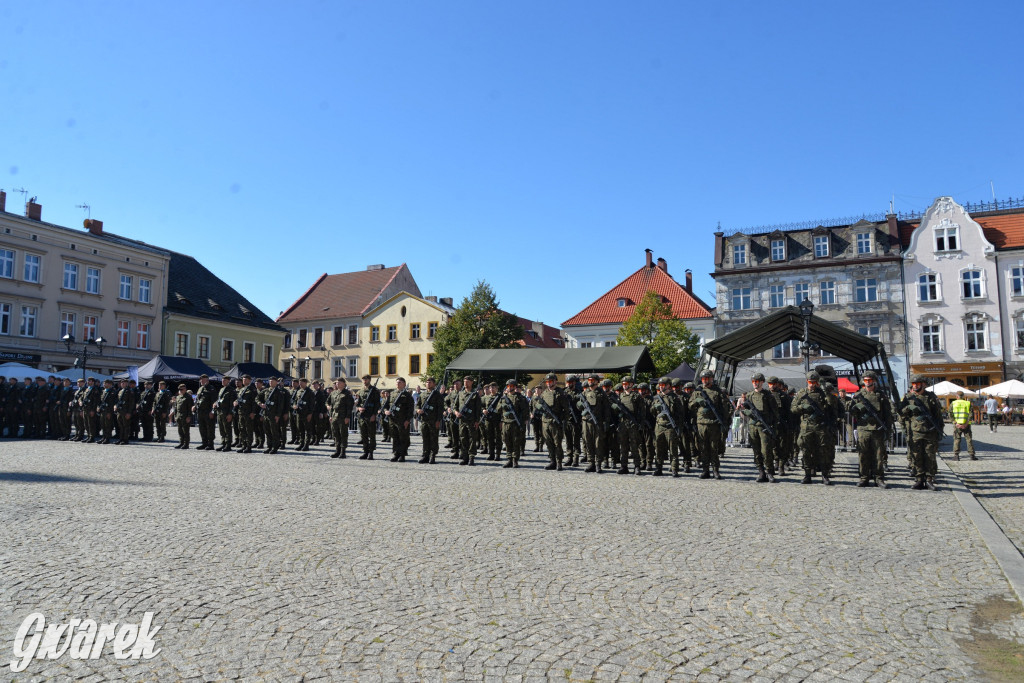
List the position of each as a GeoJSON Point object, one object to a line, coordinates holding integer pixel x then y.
{"type": "Point", "coordinates": [255, 370]}
{"type": "Point", "coordinates": [176, 368]}
{"type": "Point", "coordinates": [787, 324]}
{"type": "Point", "coordinates": [606, 358]}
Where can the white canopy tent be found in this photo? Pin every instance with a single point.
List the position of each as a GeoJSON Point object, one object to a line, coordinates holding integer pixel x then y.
{"type": "Point", "coordinates": [1009, 389]}
{"type": "Point", "coordinates": [949, 389]}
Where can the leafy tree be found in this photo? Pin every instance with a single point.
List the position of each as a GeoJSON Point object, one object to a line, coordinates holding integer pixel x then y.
{"type": "Point", "coordinates": [668, 339]}
{"type": "Point", "coordinates": [477, 323]}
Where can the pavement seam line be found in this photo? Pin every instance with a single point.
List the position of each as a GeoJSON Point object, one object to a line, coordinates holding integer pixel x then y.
{"type": "Point", "coordinates": [1007, 556]}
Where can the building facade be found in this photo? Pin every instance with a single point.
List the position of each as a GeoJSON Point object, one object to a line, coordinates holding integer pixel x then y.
{"type": "Point", "coordinates": [400, 336]}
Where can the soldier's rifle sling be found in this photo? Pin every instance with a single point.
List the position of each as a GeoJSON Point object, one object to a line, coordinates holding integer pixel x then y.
{"type": "Point", "coordinates": [586, 406]}
{"type": "Point", "coordinates": [547, 409]}
{"type": "Point", "coordinates": [759, 418]}
{"type": "Point", "coordinates": [626, 411]}
{"type": "Point", "coordinates": [817, 410]}
{"type": "Point", "coordinates": [511, 405]}
{"type": "Point", "coordinates": [861, 401]}
{"type": "Point", "coordinates": [713, 409]}
{"type": "Point", "coordinates": [924, 411]}
{"type": "Point", "coordinates": [668, 413]}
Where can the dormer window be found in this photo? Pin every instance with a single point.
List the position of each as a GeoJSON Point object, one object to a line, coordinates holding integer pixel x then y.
{"type": "Point", "coordinates": [739, 254]}
{"type": "Point", "coordinates": [621, 303]}
{"type": "Point", "coordinates": [778, 250]}
{"type": "Point", "coordinates": [864, 245]}
{"type": "Point", "coordinates": [947, 238]}
{"type": "Point", "coordinates": [821, 249]}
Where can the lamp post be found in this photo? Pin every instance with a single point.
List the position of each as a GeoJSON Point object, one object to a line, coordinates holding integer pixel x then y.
{"type": "Point", "coordinates": [327, 358]}
{"type": "Point", "coordinates": [300, 363]}
{"type": "Point", "coordinates": [806, 311]}
{"type": "Point", "coordinates": [82, 353]}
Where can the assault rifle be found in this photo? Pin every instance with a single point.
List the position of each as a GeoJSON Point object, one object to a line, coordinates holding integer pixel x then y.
{"type": "Point", "coordinates": [924, 411]}
{"type": "Point", "coordinates": [590, 411]}
{"type": "Point", "coordinates": [547, 409]}
{"type": "Point", "coordinates": [462, 411]}
{"type": "Point", "coordinates": [492, 405]}
{"type": "Point", "coordinates": [668, 413]}
{"type": "Point", "coordinates": [512, 406]}
{"type": "Point", "coordinates": [860, 401]}
{"type": "Point", "coordinates": [713, 409]}
{"type": "Point", "coordinates": [817, 410]}
{"type": "Point", "coordinates": [759, 418]}
{"type": "Point", "coordinates": [624, 410]}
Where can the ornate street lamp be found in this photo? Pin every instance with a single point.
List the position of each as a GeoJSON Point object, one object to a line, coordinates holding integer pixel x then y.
{"type": "Point", "coordinates": [806, 311]}
{"type": "Point", "coordinates": [88, 347]}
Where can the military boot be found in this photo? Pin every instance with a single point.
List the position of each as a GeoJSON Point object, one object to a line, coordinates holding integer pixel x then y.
{"type": "Point", "coordinates": [718, 473]}
{"type": "Point", "coordinates": [658, 472]}
{"type": "Point", "coordinates": [509, 464]}
{"type": "Point", "coordinates": [591, 468]}
{"type": "Point", "coordinates": [929, 484]}
{"type": "Point", "coordinates": [432, 460]}
{"type": "Point", "coordinates": [425, 459]}
{"type": "Point", "coordinates": [336, 453]}
{"type": "Point", "coordinates": [771, 476]}
{"type": "Point", "coordinates": [761, 476]}
{"type": "Point", "coordinates": [472, 460]}
{"type": "Point", "coordinates": [863, 483]}
{"type": "Point", "coordinates": [918, 485]}
{"type": "Point", "coordinates": [576, 460]}
{"type": "Point", "coordinates": [807, 477]}
{"type": "Point", "coordinates": [825, 479]}
{"type": "Point", "coordinates": [880, 482]}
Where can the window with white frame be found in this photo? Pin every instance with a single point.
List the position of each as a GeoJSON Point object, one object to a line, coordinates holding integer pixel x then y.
{"type": "Point", "coordinates": [5, 318]}
{"type": "Point", "coordinates": [181, 344]}
{"type": "Point", "coordinates": [928, 287]}
{"type": "Point", "coordinates": [975, 329]}
{"type": "Point", "coordinates": [931, 338]}
{"type": "Point", "coordinates": [203, 347]}
{"type": "Point", "coordinates": [123, 332]}
{"type": "Point", "coordinates": [741, 299]}
{"type": "Point", "coordinates": [302, 338]}
{"type": "Point", "coordinates": [142, 336]}
{"type": "Point", "coordinates": [971, 284]}
{"type": "Point", "coordinates": [1017, 281]}
{"type": "Point", "coordinates": [787, 349]}
{"type": "Point", "coordinates": [947, 238]}
{"type": "Point", "coordinates": [92, 280]}
{"type": "Point", "coordinates": [864, 245]}
{"type": "Point", "coordinates": [586, 345]}
{"type": "Point", "coordinates": [70, 276]}
{"type": "Point", "coordinates": [89, 327]}
{"type": "Point", "coordinates": [777, 296]}
{"type": "Point", "coordinates": [287, 341]}
{"type": "Point", "coordinates": [431, 330]}
{"type": "Point", "coordinates": [28, 321]}
{"type": "Point", "coordinates": [31, 271]}
{"type": "Point", "coordinates": [1018, 329]}
{"type": "Point", "coordinates": [827, 292]}
{"type": "Point", "coordinates": [779, 250]}
{"type": "Point", "coordinates": [6, 263]}
{"type": "Point", "coordinates": [739, 254]}
{"type": "Point", "coordinates": [801, 292]}
{"type": "Point", "coordinates": [125, 292]}
{"type": "Point", "coordinates": [375, 333]}
{"type": "Point", "coordinates": [67, 324]}
{"type": "Point", "coordinates": [248, 352]}
{"type": "Point", "coordinates": [339, 368]}
{"type": "Point", "coordinates": [821, 249]}
{"type": "Point", "coordinates": [353, 334]}
{"type": "Point", "coordinates": [145, 287]}
{"type": "Point", "coordinates": [866, 289]}
{"type": "Point", "coordinates": [352, 367]}
{"type": "Point", "coordinates": [337, 337]}
{"type": "Point", "coordinates": [871, 331]}
{"type": "Point", "coordinates": [318, 337]}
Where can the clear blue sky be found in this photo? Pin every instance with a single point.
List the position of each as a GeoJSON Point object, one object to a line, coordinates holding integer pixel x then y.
{"type": "Point", "coordinates": [538, 145]}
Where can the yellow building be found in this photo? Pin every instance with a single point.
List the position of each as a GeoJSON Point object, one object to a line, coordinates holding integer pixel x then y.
{"type": "Point", "coordinates": [399, 336]}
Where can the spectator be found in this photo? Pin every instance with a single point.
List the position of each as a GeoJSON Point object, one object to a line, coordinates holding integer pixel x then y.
{"type": "Point", "coordinates": [992, 413]}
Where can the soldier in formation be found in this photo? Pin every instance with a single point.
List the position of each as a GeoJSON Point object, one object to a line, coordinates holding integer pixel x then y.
{"type": "Point", "coordinates": [225, 408]}
{"type": "Point", "coordinates": [871, 408]}
{"type": "Point", "coordinates": [183, 405]}
{"type": "Point", "coordinates": [923, 424]}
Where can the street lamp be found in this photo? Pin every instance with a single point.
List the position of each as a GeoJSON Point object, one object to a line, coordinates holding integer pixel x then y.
{"type": "Point", "coordinates": [82, 354]}
{"type": "Point", "coordinates": [806, 312]}
{"type": "Point", "coordinates": [327, 357]}
{"type": "Point", "coordinates": [300, 363]}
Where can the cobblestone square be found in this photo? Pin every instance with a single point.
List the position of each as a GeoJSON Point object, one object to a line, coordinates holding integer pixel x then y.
{"type": "Point", "coordinates": [296, 566]}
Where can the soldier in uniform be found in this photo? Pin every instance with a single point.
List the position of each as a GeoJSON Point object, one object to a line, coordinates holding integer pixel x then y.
{"type": "Point", "coordinates": [573, 425]}
{"type": "Point", "coordinates": [490, 423]}
{"type": "Point", "coordinates": [449, 418]}
{"type": "Point", "coordinates": [258, 424]}
{"type": "Point", "coordinates": [162, 410]}
{"type": "Point", "coordinates": [594, 419]}
{"type": "Point", "coordinates": [514, 411]}
{"type": "Point", "coordinates": [763, 410]}
{"type": "Point", "coordinates": [367, 405]}
{"type": "Point", "coordinates": [782, 442]}
{"type": "Point", "coordinates": [627, 406]}
{"type": "Point", "coordinates": [64, 394]}
{"type": "Point", "coordinates": [536, 424]}
{"type": "Point", "coordinates": [429, 412]}
{"type": "Point", "coordinates": [246, 404]}
{"type": "Point", "coordinates": [688, 445]}
{"type": "Point", "coordinates": [339, 405]}
{"type": "Point", "coordinates": [205, 416]}
{"type": "Point", "coordinates": [125, 409]}
{"type": "Point", "coordinates": [183, 405]}
{"type": "Point", "coordinates": [870, 407]}
{"type": "Point", "coordinates": [303, 405]}
{"type": "Point", "coordinates": [812, 406]}
{"type": "Point", "coordinates": [399, 415]}
{"type": "Point", "coordinates": [108, 401]}
{"type": "Point", "coordinates": [706, 404]}
{"type": "Point", "coordinates": [611, 432]}
{"type": "Point", "coordinates": [12, 407]}
{"type": "Point", "coordinates": [385, 424]}
{"type": "Point", "coordinates": [225, 406]}
{"type": "Point", "coordinates": [146, 401]}
{"type": "Point", "coordinates": [554, 410]}
{"type": "Point", "coordinates": [91, 409]}
{"type": "Point", "coordinates": [666, 411]}
{"type": "Point", "coordinates": [78, 412]}
{"type": "Point", "coordinates": [923, 414]}
{"type": "Point", "coordinates": [468, 409]}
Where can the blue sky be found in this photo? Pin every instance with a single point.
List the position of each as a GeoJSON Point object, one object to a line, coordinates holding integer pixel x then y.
{"type": "Point", "coordinates": [541, 146]}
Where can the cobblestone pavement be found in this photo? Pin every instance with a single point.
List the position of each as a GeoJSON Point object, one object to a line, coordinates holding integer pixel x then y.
{"type": "Point", "coordinates": [295, 566]}
{"type": "Point", "coordinates": [996, 478]}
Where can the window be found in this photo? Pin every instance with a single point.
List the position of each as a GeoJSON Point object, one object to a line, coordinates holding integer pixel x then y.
{"type": "Point", "coordinates": [976, 335]}
{"type": "Point", "coordinates": [779, 250]}
{"type": "Point", "coordinates": [789, 349]}
{"type": "Point", "coordinates": [89, 327]}
{"type": "Point", "coordinates": [338, 368]}
{"type": "Point", "coordinates": [777, 296]}
{"type": "Point", "coordinates": [288, 367]}
{"type": "Point", "coordinates": [827, 292]}
{"type": "Point", "coordinates": [971, 284]}
{"type": "Point", "coordinates": [414, 331]}
{"type": "Point", "coordinates": [70, 276]}
{"type": "Point", "coordinates": [248, 352]}
{"type": "Point", "coordinates": [930, 340]}
{"type": "Point", "coordinates": [374, 335]}
{"type": "Point", "coordinates": [391, 364]}
{"type": "Point", "coordinates": [947, 239]}
{"type": "Point", "coordinates": [431, 330]}
{"type": "Point", "coordinates": [92, 280]}
{"type": "Point", "coordinates": [621, 303]}
{"type": "Point", "coordinates": [203, 347]}
{"type": "Point", "coordinates": [268, 354]}
{"type": "Point", "coordinates": [820, 246]}
{"type": "Point", "coordinates": [928, 287]}
{"type": "Point", "coordinates": [67, 324]}
{"type": "Point", "coordinates": [864, 243]}
{"type": "Point", "coordinates": [28, 321]}
{"type": "Point", "coordinates": [5, 318]}
{"type": "Point", "coordinates": [142, 336]}
{"type": "Point", "coordinates": [227, 350]}
{"type": "Point", "coordinates": [866, 290]}
{"type": "Point", "coordinates": [414, 364]}
{"type": "Point", "coordinates": [145, 286]}
{"type": "Point", "coordinates": [802, 291]}
{"type": "Point", "coordinates": [392, 332]}
{"type": "Point", "coordinates": [318, 369]}
{"type": "Point", "coordinates": [374, 365]}
{"type": "Point", "coordinates": [977, 381]}
{"type": "Point", "coordinates": [1017, 281]}
{"type": "Point", "coordinates": [353, 331]}
{"type": "Point", "coordinates": [609, 343]}
{"type": "Point", "coordinates": [741, 299]}
{"type": "Point", "coordinates": [6, 263]}
{"type": "Point", "coordinates": [32, 268]}
{"type": "Point", "coordinates": [739, 255]}
{"type": "Point", "coordinates": [1018, 333]}
{"type": "Point", "coordinates": [586, 345]}
{"type": "Point", "coordinates": [318, 337]}
{"type": "Point", "coordinates": [287, 341]}
{"type": "Point", "coordinates": [430, 359]}
{"type": "Point", "coordinates": [871, 331]}
{"type": "Point", "coordinates": [124, 329]}
{"type": "Point", "coordinates": [352, 367]}
{"type": "Point", "coordinates": [302, 338]}
{"type": "Point", "coordinates": [126, 287]}
{"type": "Point", "coordinates": [338, 337]}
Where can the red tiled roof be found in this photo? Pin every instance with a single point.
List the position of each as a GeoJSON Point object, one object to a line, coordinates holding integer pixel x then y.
{"type": "Point", "coordinates": [606, 309]}
{"type": "Point", "coordinates": [342, 295]}
{"type": "Point", "coordinates": [547, 337]}
{"type": "Point", "coordinates": [1004, 231]}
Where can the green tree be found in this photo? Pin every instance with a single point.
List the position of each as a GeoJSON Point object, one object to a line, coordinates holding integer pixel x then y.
{"type": "Point", "coordinates": [477, 323]}
{"type": "Point", "coordinates": [669, 340]}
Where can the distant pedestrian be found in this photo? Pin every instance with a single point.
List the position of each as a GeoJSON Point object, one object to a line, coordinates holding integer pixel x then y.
{"type": "Point", "coordinates": [992, 413]}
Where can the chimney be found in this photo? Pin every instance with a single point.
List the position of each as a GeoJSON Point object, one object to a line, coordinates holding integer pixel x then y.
{"type": "Point", "coordinates": [650, 255]}
{"type": "Point", "coordinates": [446, 301]}
{"type": "Point", "coordinates": [689, 281]}
{"type": "Point", "coordinates": [894, 230]}
{"type": "Point", "coordinates": [663, 264]}
{"type": "Point", "coordinates": [375, 266]}
{"type": "Point", "coordinates": [719, 246]}
{"type": "Point", "coordinates": [432, 299]}
{"type": "Point", "coordinates": [94, 226]}
{"type": "Point", "coordinates": [33, 211]}
{"type": "Point", "coordinates": [3, 200]}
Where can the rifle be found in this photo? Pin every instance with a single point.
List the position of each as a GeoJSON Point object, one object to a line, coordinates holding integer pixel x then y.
{"type": "Point", "coordinates": [924, 411]}
{"type": "Point", "coordinates": [668, 413]}
{"type": "Point", "coordinates": [759, 418]}
{"type": "Point", "coordinates": [590, 411]}
{"type": "Point", "coordinates": [492, 404]}
{"type": "Point", "coordinates": [462, 411]}
{"type": "Point", "coordinates": [426, 401]}
{"type": "Point", "coordinates": [861, 401]}
{"type": "Point", "coordinates": [519, 423]}
{"type": "Point", "coordinates": [547, 409]}
{"type": "Point", "coordinates": [713, 409]}
{"type": "Point", "coordinates": [818, 411]}
{"type": "Point", "coordinates": [623, 409]}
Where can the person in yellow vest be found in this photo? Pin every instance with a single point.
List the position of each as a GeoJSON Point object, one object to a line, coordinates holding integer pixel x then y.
{"type": "Point", "coordinates": [960, 410]}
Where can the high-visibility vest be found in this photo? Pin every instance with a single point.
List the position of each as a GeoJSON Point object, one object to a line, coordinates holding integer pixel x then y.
{"type": "Point", "coordinates": [960, 409]}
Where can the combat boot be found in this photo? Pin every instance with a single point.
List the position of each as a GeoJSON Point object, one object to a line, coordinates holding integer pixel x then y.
{"type": "Point", "coordinates": [863, 483]}
{"type": "Point", "coordinates": [623, 470]}
{"type": "Point", "coordinates": [807, 477]}
{"type": "Point", "coordinates": [825, 480]}
{"type": "Point", "coordinates": [432, 460]}
{"type": "Point", "coordinates": [509, 465]}
{"type": "Point", "coordinates": [464, 461]}
{"type": "Point", "coordinates": [918, 485]}
{"type": "Point", "coordinates": [472, 460]}
{"type": "Point", "coordinates": [771, 476]}
{"type": "Point", "coordinates": [956, 456]}
{"type": "Point", "coordinates": [591, 468]}
{"type": "Point", "coordinates": [880, 482]}
{"type": "Point", "coordinates": [364, 456]}
{"type": "Point", "coordinates": [394, 458]}
{"type": "Point", "coordinates": [270, 449]}
{"type": "Point", "coordinates": [658, 472]}
{"type": "Point", "coordinates": [424, 460]}
{"type": "Point", "coordinates": [930, 484]}
{"type": "Point", "coordinates": [515, 463]}
{"type": "Point", "coordinates": [576, 460]}
{"type": "Point", "coordinates": [718, 473]}
{"type": "Point", "coordinates": [558, 465]}
{"type": "Point", "coordinates": [761, 476]}
{"type": "Point", "coordinates": [336, 453]}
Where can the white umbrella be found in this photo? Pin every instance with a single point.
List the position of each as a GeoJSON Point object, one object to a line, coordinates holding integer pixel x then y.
{"type": "Point", "coordinates": [1009, 389]}
{"type": "Point", "coordinates": [946, 389]}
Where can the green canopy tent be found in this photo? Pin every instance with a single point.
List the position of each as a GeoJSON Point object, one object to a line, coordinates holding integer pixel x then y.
{"type": "Point", "coordinates": [632, 359]}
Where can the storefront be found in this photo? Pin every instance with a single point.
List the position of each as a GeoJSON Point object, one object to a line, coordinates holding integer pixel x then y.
{"type": "Point", "coordinates": [971, 375]}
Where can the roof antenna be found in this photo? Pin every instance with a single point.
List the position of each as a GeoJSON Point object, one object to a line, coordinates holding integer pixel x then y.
{"type": "Point", "coordinates": [993, 186]}
{"type": "Point", "coordinates": [22, 190]}
{"type": "Point", "coordinates": [892, 204]}
{"type": "Point", "coordinates": [85, 206]}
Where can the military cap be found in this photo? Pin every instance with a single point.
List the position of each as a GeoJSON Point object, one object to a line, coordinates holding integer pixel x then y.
{"type": "Point", "coordinates": [706, 373]}
{"type": "Point", "coordinates": [773, 380]}
{"type": "Point", "coordinates": [757, 376]}
{"type": "Point", "coordinates": [689, 385]}
{"type": "Point", "coordinates": [493, 384]}
{"type": "Point", "coordinates": [366, 376]}
{"type": "Point", "coordinates": [813, 377]}
{"type": "Point", "coordinates": [665, 380]}
{"type": "Point", "coordinates": [606, 383]}
{"type": "Point", "coordinates": [340, 379]}
{"type": "Point", "coordinates": [204, 376]}
{"type": "Point", "coordinates": [618, 387]}
{"type": "Point", "coordinates": [303, 379]}
{"type": "Point", "coordinates": [180, 386]}
{"type": "Point", "coordinates": [677, 382]}
{"type": "Point", "coordinates": [550, 377]}
{"type": "Point", "coordinates": [919, 379]}
{"type": "Point", "coordinates": [246, 377]}
{"type": "Point", "coordinates": [106, 381]}
{"type": "Point", "coordinates": [628, 380]}
{"type": "Point", "coordinates": [511, 383]}
{"type": "Point", "coordinates": [260, 381]}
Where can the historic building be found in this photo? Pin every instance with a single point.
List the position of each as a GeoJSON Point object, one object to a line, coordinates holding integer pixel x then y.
{"type": "Point", "coordinates": [598, 324]}
{"type": "Point", "coordinates": [400, 337]}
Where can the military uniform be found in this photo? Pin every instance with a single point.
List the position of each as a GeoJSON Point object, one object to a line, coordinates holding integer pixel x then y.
{"type": "Point", "coordinates": [874, 423]}
{"type": "Point", "coordinates": [706, 404]}
{"type": "Point", "coordinates": [554, 411]}
{"type": "Point", "coordinates": [400, 417]}
{"type": "Point", "coordinates": [368, 403]}
{"type": "Point", "coordinates": [205, 417]}
{"type": "Point", "coordinates": [183, 405]}
{"type": "Point", "coordinates": [274, 412]}
{"type": "Point", "coordinates": [763, 410]}
{"type": "Point", "coordinates": [469, 408]}
{"type": "Point", "coordinates": [450, 399]}
{"type": "Point", "coordinates": [782, 444]}
{"type": "Point", "coordinates": [667, 412]}
{"type": "Point", "coordinates": [515, 411]}
{"type": "Point", "coordinates": [339, 404]}
{"type": "Point", "coordinates": [816, 420]}
{"type": "Point", "coordinates": [161, 411]}
{"type": "Point", "coordinates": [78, 414]}
{"type": "Point", "coordinates": [304, 406]}
{"type": "Point", "coordinates": [923, 416]}
{"type": "Point", "coordinates": [573, 422]}
{"type": "Point", "coordinates": [12, 408]}
{"type": "Point", "coordinates": [125, 413]}
{"type": "Point", "coordinates": [247, 409]}
{"type": "Point", "coordinates": [108, 401]}
{"type": "Point", "coordinates": [146, 401]}
{"type": "Point", "coordinates": [429, 410]}
{"type": "Point", "coordinates": [225, 414]}
{"type": "Point", "coordinates": [490, 423]}
{"type": "Point", "coordinates": [593, 405]}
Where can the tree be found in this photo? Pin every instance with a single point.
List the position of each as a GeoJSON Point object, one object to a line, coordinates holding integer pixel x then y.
{"type": "Point", "coordinates": [669, 340]}
{"type": "Point", "coordinates": [477, 323]}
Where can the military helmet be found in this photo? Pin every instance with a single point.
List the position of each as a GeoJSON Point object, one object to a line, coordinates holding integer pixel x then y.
{"type": "Point", "coordinates": [665, 380]}
{"type": "Point", "coordinates": [757, 377]}
{"type": "Point", "coordinates": [813, 377]}
{"type": "Point", "coordinates": [606, 383]}
{"type": "Point", "coordinates": [618, 387]}
{"type": "Point", "coordinates": [689, 385]}
{"type": "Point", "coordinates": [594, 376]}
{"type": "Point", "coordinates": [511, 383]}
{"type": "Point", "coordinates": [773, 380]}
{"type": "Point", "coordinates": [707, 373]}
{"type": "Point", "coordinates": [919, 379]}
{"type": "Point", "coordinates": [870, 374]}
{"type": "Point", "coordinates": [628, 380]}
{"type": "Point", "coordinates": [643, 385]}
{"type": "Point", "coordinates": [551, 377]}
{"type": "Point", "coordinates": [676, 382]}
{"type": "Point", "coordinates": [571, 378]}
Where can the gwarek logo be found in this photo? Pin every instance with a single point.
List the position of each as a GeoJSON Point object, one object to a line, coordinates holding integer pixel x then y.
{"type": "Point", "coordinates": [82, 639]}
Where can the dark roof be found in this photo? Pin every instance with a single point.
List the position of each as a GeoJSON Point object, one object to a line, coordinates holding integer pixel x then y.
{"type": "Point", "coordinates": [175, 368]}
{"type": "Point", "coordinates": [255, 370]}
{"type": "Point", "coordinates": [193, 290]}
{"type": "Point", "coordinates": [348, 294]}
{"type": "Point", "coordinates": [607, 358]}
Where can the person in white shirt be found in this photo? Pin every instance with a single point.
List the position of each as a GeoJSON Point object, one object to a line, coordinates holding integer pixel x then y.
{"type": "Point", "coordinates": [992, 412]}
